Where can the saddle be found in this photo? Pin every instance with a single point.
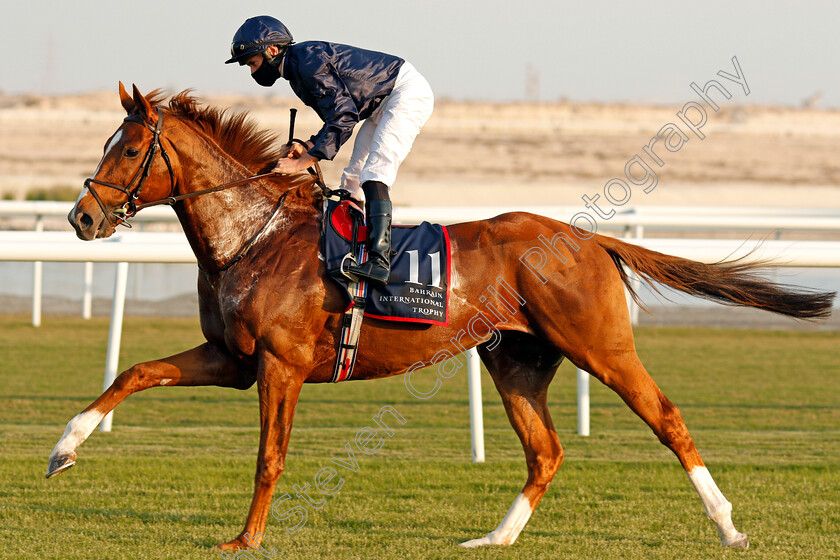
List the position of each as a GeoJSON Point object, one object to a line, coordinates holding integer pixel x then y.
{"type": "Point", "coordinates": [418, 287]}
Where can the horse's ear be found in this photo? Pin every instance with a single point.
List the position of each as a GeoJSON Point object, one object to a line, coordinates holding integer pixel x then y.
{"type": "Point", "coordinates": [144, 107]}
{"type": "Point", "coordinates": [126, 100]}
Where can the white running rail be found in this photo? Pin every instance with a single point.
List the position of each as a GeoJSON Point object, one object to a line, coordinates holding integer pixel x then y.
{"type": "Point", "coordinates": [138, 247]}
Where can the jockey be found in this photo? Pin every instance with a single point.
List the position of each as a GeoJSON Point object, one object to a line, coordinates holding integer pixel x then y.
{"type": "Point", "coordinates": [345, 85]}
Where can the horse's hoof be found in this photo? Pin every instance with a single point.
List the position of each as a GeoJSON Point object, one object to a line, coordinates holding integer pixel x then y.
{"type": "Point", "coordinates": [740, 541]}
{"type": "Point", "coordinates": [475, 543]}
{"type": "Point", "coordinates": [489, 540]}
{"type": "Point", "coordinates": [60, 463]}
{"type": "Point", "coordinates": [235, 544]}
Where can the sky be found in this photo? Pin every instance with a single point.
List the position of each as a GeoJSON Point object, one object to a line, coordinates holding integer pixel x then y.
{"type": "Point", "coordinates": [645, 51]}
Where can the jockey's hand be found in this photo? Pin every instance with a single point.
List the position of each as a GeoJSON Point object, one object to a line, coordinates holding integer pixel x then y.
{"type": "Point", "coordinates": [293, 150]}
{"type": "Point", "coordinates": [294, 164]}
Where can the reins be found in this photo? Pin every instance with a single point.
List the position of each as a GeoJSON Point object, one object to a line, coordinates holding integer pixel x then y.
{"type": "Point", "coordinates": [173, 199]}
{"type": "Point", "coordinates": [315, 170]}
{"type": "Point", "coordinates": [130, 207]}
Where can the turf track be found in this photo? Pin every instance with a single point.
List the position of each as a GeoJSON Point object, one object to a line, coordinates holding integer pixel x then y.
{"type": "Point", "coordinates": [175, 476]}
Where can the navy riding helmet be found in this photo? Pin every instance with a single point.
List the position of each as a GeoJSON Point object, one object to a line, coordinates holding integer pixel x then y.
{"type": "Point", "coordinates": [255, 35]}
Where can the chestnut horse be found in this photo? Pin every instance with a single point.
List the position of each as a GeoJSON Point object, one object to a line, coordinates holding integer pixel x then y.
{"type": "Point", "coordinates": [525, 289]}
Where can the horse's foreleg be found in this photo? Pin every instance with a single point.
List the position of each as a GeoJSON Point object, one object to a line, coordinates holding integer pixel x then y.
{"type": "Point", "coordinates": [522, 369]}
{"type": "Point", "coordinates": [279, 389]}
{"type": "Point", "coordinates": [203, 365]}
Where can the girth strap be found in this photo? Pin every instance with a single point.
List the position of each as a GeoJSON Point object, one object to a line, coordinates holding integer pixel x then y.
{"type": "Point", "coordinates": [351, 329]}
{"type": "Point", "coordinates": [351, 321]}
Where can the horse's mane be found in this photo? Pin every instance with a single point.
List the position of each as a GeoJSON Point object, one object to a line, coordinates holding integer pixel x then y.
{"type": "Point", "coordinates": [235, 133]}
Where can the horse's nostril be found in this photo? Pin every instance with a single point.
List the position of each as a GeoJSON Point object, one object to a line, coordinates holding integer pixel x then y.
{"type": "Point", "coordinates": [85, 221]}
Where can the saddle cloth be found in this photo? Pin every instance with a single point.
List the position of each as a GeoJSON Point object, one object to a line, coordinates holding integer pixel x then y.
{"type": "Point", "coordinates": [418, 288]}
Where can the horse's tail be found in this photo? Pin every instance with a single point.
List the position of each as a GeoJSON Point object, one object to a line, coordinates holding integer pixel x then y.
{"type": "Point", "coordinates": [728, 282]}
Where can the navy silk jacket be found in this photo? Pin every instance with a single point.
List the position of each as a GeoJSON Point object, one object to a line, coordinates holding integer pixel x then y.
{"type": "Point", "coordinates": [343, 84]}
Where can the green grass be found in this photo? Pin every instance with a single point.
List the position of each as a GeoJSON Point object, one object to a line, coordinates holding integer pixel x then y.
{"type": "Point", "coordinates": [176, 475]}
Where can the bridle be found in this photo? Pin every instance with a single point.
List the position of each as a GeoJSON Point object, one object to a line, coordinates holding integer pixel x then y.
{"type": "Point", "coordinates": [131, 207]}
{"type": "Point", "coordinates": [132, 191]}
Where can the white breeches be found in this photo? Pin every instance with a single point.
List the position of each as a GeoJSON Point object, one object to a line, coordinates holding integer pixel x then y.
{"type": "Point", "coordinates": [385, 138]}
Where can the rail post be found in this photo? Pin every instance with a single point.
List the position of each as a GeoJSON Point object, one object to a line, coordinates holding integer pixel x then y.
{"type": "Point", "coordinates": [114, 336]}
{"type": "Point", "coordinates": [476, 413]}
{"type": "Point", "coordinates": [37, 280]}
{"type": "Point", "coordinates": [583, 402]}
{"type": "Point", "coordinates": [87, 295]}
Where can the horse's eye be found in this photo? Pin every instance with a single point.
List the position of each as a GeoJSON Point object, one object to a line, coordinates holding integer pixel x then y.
{"type": "Point", "coordinates": [132, 152]}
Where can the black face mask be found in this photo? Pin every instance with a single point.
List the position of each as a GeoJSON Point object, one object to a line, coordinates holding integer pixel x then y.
{"type": "Point", "coordinates": [268, 72]}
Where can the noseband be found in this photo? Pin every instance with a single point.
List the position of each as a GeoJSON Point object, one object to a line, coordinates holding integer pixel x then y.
{"type": "Point", "coordinates": [129, 208]}
{"type": "Point", "coordinates": [132, 191]}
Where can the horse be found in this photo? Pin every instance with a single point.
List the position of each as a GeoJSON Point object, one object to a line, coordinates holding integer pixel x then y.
{"type": "Point", "coordinates": [526, 290]}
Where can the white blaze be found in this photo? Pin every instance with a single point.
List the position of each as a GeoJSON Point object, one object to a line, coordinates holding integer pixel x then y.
{"type": "Point", "coordinates": [114, 141]}
{"type": "Point", "coordinates": [81, 196]}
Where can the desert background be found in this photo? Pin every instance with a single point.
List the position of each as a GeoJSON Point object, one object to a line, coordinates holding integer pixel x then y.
{"type": "Point", "coordinates": [489, 153]}
{"type": "Point", "coordinates": [482, 154]}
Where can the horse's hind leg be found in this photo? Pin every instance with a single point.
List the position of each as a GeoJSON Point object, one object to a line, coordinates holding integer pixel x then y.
{"type": "Point", "coordinates": [203, 365]}
{"type": "Point", "coordinates": [611, 357]}
{"type": "Point", "coordinates": [522, 368]}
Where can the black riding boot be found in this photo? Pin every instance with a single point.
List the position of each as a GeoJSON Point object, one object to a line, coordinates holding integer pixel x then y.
{"type": "Point", "coordinates": [378, 217]}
